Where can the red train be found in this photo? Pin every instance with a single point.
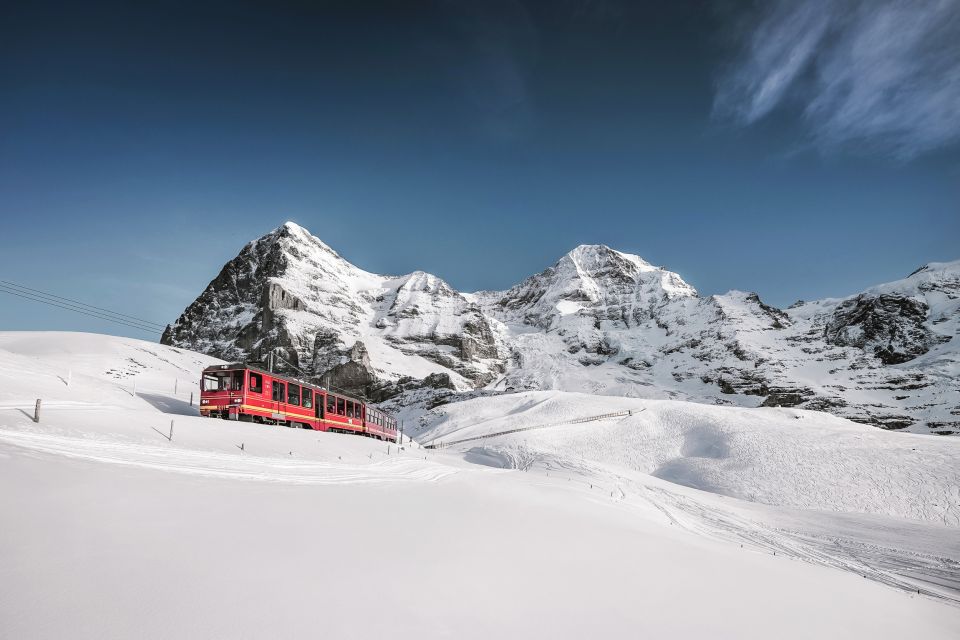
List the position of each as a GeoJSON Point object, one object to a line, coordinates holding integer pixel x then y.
{"type": "Point", "coordinates": [239, 392]}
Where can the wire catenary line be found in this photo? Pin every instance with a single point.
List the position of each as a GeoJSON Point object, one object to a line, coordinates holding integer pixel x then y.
{"type": "Point", "coordinates": [38, 292]}
{"type": "Point", "coordinates": [81, 311]}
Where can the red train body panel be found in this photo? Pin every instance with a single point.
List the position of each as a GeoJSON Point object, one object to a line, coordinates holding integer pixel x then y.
{"type": "Point", "coordinates": [241, 392]}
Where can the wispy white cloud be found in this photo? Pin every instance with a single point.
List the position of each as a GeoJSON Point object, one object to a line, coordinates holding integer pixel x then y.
{"type": "Point", "coordinates": [882, 75]}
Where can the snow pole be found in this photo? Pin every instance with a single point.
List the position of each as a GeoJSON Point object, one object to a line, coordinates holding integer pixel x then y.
{"type": "Point", "coordinates": [36, 411]}
{"type": "Point", "coordinates": [191, 398]}
{"type": "Point", "coordinates": [176, 383]}
{"type": "Point", "coordinates": [170, 437]}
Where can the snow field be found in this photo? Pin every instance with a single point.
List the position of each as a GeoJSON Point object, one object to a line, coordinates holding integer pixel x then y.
{"type": "Point", "coordinates": [112, 531]}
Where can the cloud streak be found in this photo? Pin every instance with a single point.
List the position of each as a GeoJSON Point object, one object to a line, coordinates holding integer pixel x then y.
{"type": "Point", "coordinates": [878, 75]}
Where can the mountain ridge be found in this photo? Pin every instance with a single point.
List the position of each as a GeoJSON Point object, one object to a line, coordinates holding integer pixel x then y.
{"type": "Point", "coordinates": [598, 320]}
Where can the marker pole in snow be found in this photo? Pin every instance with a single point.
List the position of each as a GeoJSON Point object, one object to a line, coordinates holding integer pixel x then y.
{"type": "Point", "coordinates": [191, 398]}
{"type": "Point", "coordinates": [170, 437]}
{"type": "Point", "coordinates": [176, 383]}
{"type": "Point", "coordinates": [36, 411]}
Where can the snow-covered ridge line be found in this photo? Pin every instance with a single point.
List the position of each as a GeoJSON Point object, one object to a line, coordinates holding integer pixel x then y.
{"type": "Point", "coordinates": [598, 320]}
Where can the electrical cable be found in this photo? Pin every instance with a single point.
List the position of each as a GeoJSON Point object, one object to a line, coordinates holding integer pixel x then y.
{"type": "Point", "coordinates": [24, 289]}
{"type": "Point", "coordinates": [146, 329]}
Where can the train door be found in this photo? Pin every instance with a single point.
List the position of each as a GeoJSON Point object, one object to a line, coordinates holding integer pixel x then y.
{"type": "Point", "coordinates": [279, 400]}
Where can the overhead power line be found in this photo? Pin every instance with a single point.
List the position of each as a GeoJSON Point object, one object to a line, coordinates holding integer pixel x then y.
{"type": "Point", "coordinates": [44, 294]}
{"type": "Point", "coordinates": [35, 295]}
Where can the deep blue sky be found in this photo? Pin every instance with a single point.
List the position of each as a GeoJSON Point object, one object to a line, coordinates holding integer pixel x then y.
{"type": "Point", "coordinates": [141, 147]}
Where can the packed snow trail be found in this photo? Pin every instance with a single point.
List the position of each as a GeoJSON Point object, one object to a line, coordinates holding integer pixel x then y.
{"type": "Point", "coordinates": [239, 465]}
{"type": "Point", "coordinates": [449, 443]}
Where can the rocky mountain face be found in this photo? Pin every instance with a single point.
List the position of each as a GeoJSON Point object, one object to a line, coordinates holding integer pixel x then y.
{"type": "Point", "coordinates": [289, 294]}
{"type": "Point", "coordinates": [598, 320]}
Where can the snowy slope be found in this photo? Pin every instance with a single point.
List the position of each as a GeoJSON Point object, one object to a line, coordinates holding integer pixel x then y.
{"type": "Point", "coordinates": [598, 321]}
{"type": "Point", "coordinates": [783, 457]}
{"type": "Point", "coordinates": [112, 531]}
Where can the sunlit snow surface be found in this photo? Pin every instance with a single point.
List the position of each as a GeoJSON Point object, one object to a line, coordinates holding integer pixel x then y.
{"type": "Point", "coordinates": [681, 520]}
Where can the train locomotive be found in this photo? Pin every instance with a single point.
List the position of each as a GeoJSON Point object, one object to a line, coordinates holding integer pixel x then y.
{"type": "Point", "coordinates": [241, 392]}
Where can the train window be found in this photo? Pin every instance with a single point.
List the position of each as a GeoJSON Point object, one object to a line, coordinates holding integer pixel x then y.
{"type": "Point", "coordinates": [211, 382]}
{"type": "Point", "coordinates": [341, 407]}
{"type": "Point", "coordinates": [331, 403]}
{"type": "Point", "coordinates": [256, 383]}
{"type": "Point", "coordinates": [219, 381]}
{"type": "Point", "coordinates": [237, 381]}
{"type": "Point", "coordinates": [278, 391]}
{"type": "Point", "coordinates": [349, 408]}
{"type": "Point", "coordinates": [308, 398]}
{"type": "Point", "coordinates": [293, 394]}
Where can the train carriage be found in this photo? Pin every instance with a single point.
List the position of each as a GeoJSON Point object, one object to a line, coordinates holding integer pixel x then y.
{"type": "Point", "coordinates": [240, 392]}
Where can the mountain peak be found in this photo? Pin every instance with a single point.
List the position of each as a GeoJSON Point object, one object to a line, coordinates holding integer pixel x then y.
{"type": "Point", "coordinates": [601, 263]}
{"type": "Point", "coordinates": [297, 241]}
{"type": "Point", "coordinates": [592, 255]}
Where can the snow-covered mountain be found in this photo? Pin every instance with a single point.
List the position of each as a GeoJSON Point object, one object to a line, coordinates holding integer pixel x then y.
{"type": "Point", "coordinates": [598, 321]}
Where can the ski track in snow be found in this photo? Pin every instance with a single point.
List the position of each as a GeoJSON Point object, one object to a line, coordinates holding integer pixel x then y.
{"type": "Point", "coordinates": [217, 464]}
{"type": "Point", "coordinates": [929, 574]}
